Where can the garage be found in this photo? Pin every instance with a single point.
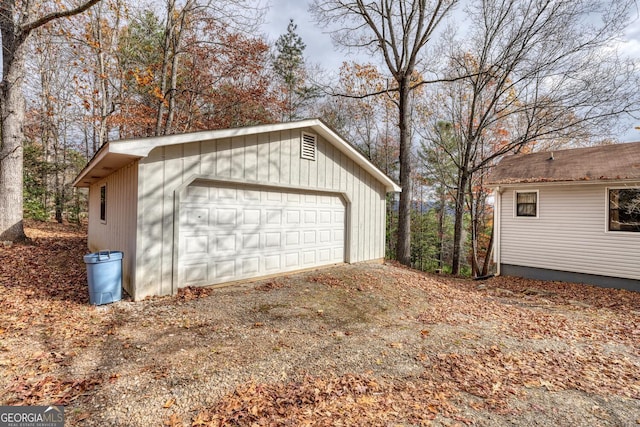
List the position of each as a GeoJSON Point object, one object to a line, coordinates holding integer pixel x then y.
{"type": "Point", "coordinates": [232, 232]}
{"type": "Point", "coordinates": [222, 205]}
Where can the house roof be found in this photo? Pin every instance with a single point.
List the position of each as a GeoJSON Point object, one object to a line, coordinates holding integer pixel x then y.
{"type": "Point", "coordinates": [601, 163]}
{"type": "Point", "coordinates": [116, 154]}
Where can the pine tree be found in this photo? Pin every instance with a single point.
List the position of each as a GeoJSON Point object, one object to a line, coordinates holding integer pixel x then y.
{"type": "Point", "coordinates": [289, 66]}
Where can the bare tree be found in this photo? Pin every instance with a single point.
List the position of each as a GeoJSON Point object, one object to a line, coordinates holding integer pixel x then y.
{"type": "Point", "coordinates": [174, 28]}
{"type": "Point", "coordinates": [182, 18]}
{"type": "Point", "coordinates": [532, 71]}
{"type": "Point", "coordinates": [17, 21]}
{"type": "Point", "coordinates": [104, 30]}
{"type": "Point", "coordinates": [398, 30]}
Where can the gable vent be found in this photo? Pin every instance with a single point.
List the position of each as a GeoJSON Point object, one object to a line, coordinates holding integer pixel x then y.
{"type": "Point", "coordinates": [308, 146]}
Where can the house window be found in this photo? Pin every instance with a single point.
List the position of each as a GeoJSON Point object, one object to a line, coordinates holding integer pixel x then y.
{"type": "Point", "coordinates": [308, 146]}
{"type": "Point", "coordinates": [103, 203]}
{"type": "Point", "coordinates": [527, 203]}
{"type": "Point", "coordinates": [624, 209]}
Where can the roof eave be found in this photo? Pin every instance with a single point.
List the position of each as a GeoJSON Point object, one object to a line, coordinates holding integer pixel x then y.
{"type": "Point", "coordinates": [563, 182]}
{"type": "Point", "coordinates": [103, 163]}
{"type": "Point", "coordinates": [141, 147]}
{"type": "Point", "coordinates": [350, 151]}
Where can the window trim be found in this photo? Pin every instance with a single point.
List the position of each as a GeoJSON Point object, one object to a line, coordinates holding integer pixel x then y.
{"type": "Point", "coordinates": [515, 204]}
{"type": "Point", "coordinates": [607, 208]}
{"type": "Point", "coordinates": [103, 203]}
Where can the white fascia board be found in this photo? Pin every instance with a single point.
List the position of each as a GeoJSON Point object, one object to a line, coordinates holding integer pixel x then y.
{"type": "Point", "coordinates": [355, 155]}
{"type": "Point", "coordinates": [141, 147]}
{"type": "Point", "coordinates": [525, 185]}
{"type": "Point", "coordinates": [100, 155]}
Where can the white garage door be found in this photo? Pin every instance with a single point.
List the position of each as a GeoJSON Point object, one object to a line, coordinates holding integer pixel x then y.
{"type": "Point", "coordinates": [233, 232]}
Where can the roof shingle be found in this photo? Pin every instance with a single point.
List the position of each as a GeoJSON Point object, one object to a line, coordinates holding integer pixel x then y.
{"type": "Point", "coordinates": [606, 162]}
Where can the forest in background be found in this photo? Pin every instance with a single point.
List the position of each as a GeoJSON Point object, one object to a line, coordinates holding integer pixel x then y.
{"type": "Point", "coordinates": [513, 83]}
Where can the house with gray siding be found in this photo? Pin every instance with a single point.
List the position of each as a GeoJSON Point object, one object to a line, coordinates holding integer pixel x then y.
{"type": "Point", "coordinates": [218, 206]}
{"type": "Point", "coordinates": [570, 215]}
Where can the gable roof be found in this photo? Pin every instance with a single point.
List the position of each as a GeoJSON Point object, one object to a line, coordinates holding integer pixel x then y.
{"type": "Point", "coordinates": [602, 163]}
{"type": "Point", "coordinates": [115, 154]}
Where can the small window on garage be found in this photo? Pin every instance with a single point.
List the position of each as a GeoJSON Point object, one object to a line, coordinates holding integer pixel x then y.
{"type": "Point", "coordinates": [103, 203]}
{"type": "Point", "coordinates": [527, 204]}
{"type": "Point", "coordinates": [624, 209]}
{"type": "Point", "coordinates": [308, 146]}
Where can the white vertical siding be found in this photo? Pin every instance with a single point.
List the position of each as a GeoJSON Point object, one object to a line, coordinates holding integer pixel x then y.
{"type": "Point", "coordinates": [570, 233]}
{"type": "Point", "coordinates": [118, 232]}
{"type": "Point", "coordinates": [269, 158]}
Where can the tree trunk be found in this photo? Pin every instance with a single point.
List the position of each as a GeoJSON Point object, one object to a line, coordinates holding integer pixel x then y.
{"type": "Point", "coordinates": [165, 65]}
{"type": "Point", "coordinates": [487, 258]}
{"type": "Point", "coordinates": [459, 222]}
{"type": "Point", "coordinates": [440, 244]}
{"type": "Point", "coordinates": [173, 85]}
{"type": "Point", "coordinates": [12, 113]}
{"type": "Point", "coordinates": [403, 250]}
{"type": "Point", "coordinates": [103, 86]}
{"type": "Point", "coordinates": [473, 210]}
{"type": "Point", "coordinates": [12, 108]}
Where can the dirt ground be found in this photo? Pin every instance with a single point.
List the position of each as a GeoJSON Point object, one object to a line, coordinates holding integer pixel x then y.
{"type": "Point", "coordinates": [350, 345]}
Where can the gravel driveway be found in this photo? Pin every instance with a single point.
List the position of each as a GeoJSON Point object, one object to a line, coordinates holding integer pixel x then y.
{"type": "Point", "coordinates": [365, 344]}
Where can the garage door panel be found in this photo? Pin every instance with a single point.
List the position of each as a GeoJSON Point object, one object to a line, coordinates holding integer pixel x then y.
{"type": "Point", "coordinates": [250, 265]}
{"type": "Point", "coordinates": [326, 200]}
{"type": "Point", "coordinates": [324, 255]}
{"type": "Point", "coordinates": [226, 243]}
{"type": "Point", "coordinates": [309, 257]}
{"type": "Point", "coordinates": [196, 216]}
{"type": "Point", "coordinates": [272, 263]}
{"type": "Point", "coordinates": [235, 232]}
{"type": "Point", "coordinates": [250, 217]}
{"type": "Point", "coordinates": [325, 217]}
{"type": "Point", "coordinates": [273, 240]}
{"type": "Point", "coordinates": [227, 193]}
{"type": "Point", "coordinates": [250, 241]}
{"type": "Point", "coordinates": [292, 238]}
{"type": "Point", "coordinates": [292, 259]}
{"type": "Point", "coordinates": [197, 193]}
{"type": "Point", "coordinates": [324, 236]}
{"type": "Point", "coordinates": [225, 216]}
{"type": "Point", "coordinates": [309, 237]}
{"type": "Point", "coordinates": [273, 196]}
{"type": "Point", "coordinates": [310, 217]}
{"type": "Point", "coordinates": [225, 269]}
{"type": "Point", "coordinates": [274, 216]}
{"type": "Point", "coordinates": [293, 198]}
{"type": "Point", "coordinates": [251, 195]}
{"type": "Point", "coordinates": [196, 273]}
{"type": "Point", "coordinates": [196, 245]}
{"type": "Point", "coordinates": [293, 217]}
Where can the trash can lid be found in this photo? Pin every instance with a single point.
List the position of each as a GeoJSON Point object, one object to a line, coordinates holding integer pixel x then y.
{"type": "Point", "coordinates": [103, 256]}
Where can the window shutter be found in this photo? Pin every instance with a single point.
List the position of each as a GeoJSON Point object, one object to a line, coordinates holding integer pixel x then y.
{"type": "Point", "coordinates": [308, 146]}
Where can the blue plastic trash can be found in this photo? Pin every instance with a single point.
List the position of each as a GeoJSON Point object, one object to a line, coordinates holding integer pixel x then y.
{"type": "Point", "coordinates": [104, 274]}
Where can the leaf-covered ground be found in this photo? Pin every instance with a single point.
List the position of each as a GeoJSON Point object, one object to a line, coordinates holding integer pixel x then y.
{"type": "Point", "coordinates": [351, 345]}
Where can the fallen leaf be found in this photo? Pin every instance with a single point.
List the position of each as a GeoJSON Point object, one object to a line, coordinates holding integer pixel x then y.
{"type": "Point", "coordinates": [173, 421]}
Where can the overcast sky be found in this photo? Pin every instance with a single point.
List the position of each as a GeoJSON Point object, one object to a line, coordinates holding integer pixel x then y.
{"type": "Point", "coordinates": [320, 49]}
